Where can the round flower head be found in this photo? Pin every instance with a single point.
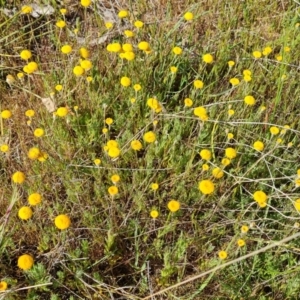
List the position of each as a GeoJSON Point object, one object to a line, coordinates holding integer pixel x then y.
{"type": "Point", "coordinates": [249, 100]}
{"type": "Point", "coordinates": [34, 199]}
{"type": "Point", "coordinates": [66, 49]}
{"type": "Point", "coordinates": [177, 50]}
{"type": "Point", "coordinates": [205, 154]}
{"type": "Point", "coordinates": [274, 130]}
{"type": "Point", "coordinates": [256, 54]}
{"type": "Point", "coordinates": [18, 177]}
{"type": "Point", "coordinates": [25, 262]}
{"type": "Point", "coordinates": [225, 161]}
{"type": "Point", "coordinates": [230, 153]}
{"type": "Point", "coordinates": [34, 153]}
{"type": "Point", "coordinates": [39, 132]}
{"type": "Point", "coordinates": [138, 24]}
{"type": "Point", "coordinates": [247, 72]}
{"type": "Point", "coordinates": [78, 70]}
{"type": "Point", "coordinates": [26, 9]}
{"type": "Point", "coordinates": [62, 112]}
{"type": "Point", "coordinates": [173, 205]}
{"type": "Point", "coordinates": [267, 51]}
{"type": "Point", "coordinates": [113, 152]}
{"type": "Point", "coordinates": [3, 286]}
{"type": "Point", "coordinates": [62, 222]}
{"type": "Point", "coordinates": [205, 167]}
{"type": "Point", "coordinates": [206, 187]}
{"type": "Point", "coordinates": [149, 137]}
{"type": "Point", "coordinates": [297, 204]}
{"type": "Point", "coordinates": [222, 254]}
{"type": "Point", "coordinates": [234, 81]}
{"type": "Point", "coordinates": [109, 121]}
{"type": "Point", "coordinates": [109, 25]}
{"type": "Point", "coordinates": [25, 54]}
{"type": "Point", "coordinates": [30, 67]}
{"type": "Point", "coordinates": [231, 63]}
{"type": "Point", "coordinates": [153, 103]}
{"type": "Point", "coordinates": [127, 47]}
{"type": "Point", "coordinates": [29, 113]}
{"type": "Point", "coordinates": [86, 64]}
{"type": "Point", "coordinates": [85, 3]}
{"type": "Point", "coordinates": [63, 11]}
{"type": "Point", "coordinates": [58, 87]}
{"type": "Point", "coordinates": [154, 214]}
{"type": "Point", "coordinates": [260, 196]}
{"type": "Point", "coordinates": [97, 161]}
{"type": "Point", "coordinates": [125, 81]}
{"type": "Point", "coordinates": [198, 84]}
{"type": "Point", "coordinates": [123, 14]}
{"type": "Point", "coordinates": [25, 213]}
{"type": "Point", "coordinates": [258, 146]}
{"type": "Point", "coordinates": [241, 243]}
{"type": "Point", "coordinates": [217, 173]}
{"type": "Point", "coordinates": [188, 16]}
{"type": "Point", "coordinates": [188, 102]}
{"type": "Point", "coordinates": [128, 33]}
{"type": "Point", "coordinates": [115, 178]}
{"type": "Point", "coordinates": [136, 145]}
{"type": "Point", "coordinates": [173, 69]}
{"type": "Point", "coordinates": [144, 46]}
{"type": "Point", "coordinates": [200, 112]}
{"type": "Point", "coordinates": [154, 186]}
{"type": "Point", "coordinates": [4, 148]}
{"type": "Point", "coordinates": [6, 114]}
{"type": "Point", "coordinates": [113, 190]}
{"type": "Point", "coordinates": [60, 24]}
{"type": "Point", "coordinates": [42, 157]}
{"type": "Point", "coordinates": [137, 87]}
{"type": "Point", "coordinates": [84, 52]}
{"type": "Point", "coordinates": [231, 112]}
{"type": "Point", "coordinates": [129, 55]}
{"type": "Point", "coordinates": [208, 58]}
{"type": "Point", "coordinates": [244, 229]}
{"type": "Point", "coordinates": [112, 143]}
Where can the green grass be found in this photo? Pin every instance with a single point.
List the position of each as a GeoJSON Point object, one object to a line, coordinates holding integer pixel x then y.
{"type": "Point", "coordinates": [114, 249]}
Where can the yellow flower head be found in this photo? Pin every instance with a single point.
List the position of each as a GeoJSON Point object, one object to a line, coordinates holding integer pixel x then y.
{"type": "Point", "coordinates": [78, 70]}
{"type": "Point", "coordinates": [188, 102]}
{"type": "Point", "coordinates": [3, 286]}
{"type": "Point", "coordinates": [113, 152]}
{"type": "Point", "coordinates": [230, 136]}
{"type": "Point", "coordinates": [274, 130]}
{"type": "Point", "coordinates": [205, 167]}
{"type": "Point", "coordinates": [4, 148]}
{"type": "Point", "coordinates": [63, 11]}
{"type": "Point", "coordinates": [231, 63]}
{"type": "Point", "coordinates": [241, 243]}
{"type": "Point", "coordinates": [123, 14]}
{"type": "Point", "coordinates": [26, 9]}
{"type": "Point", "coordinates": [25, 54]}
{"type": "Point", "coordinates": [206, 187]}
{"type": "Point", "coordinates": [138, 24]}
{"type": "Point", "coordinates": [128, 33]}
{"type": "Point", "coordinates": [34, 153]}
{"type": "Point", "coordinates": [113, 190]}
{"type": "Point", "coordinates": [18, 177]}
{"type": "Point", "coordinates": [267, 51]}
{"type": "Point", "coordinates": [144, 46]}
{"type": "Point", "coordinates": [136, 145]}
{"type": "Point", "coordinates": [173, 69]}
{"type": "Point", "coordinates": [137, 87]}
{"type": "Point", "coordinates": [85, 3]}
{"type": "Point", "coordinates": [225, 161]}
{"type": "Point", "coordinates": [198, 84]}
{"type": "Point", "coordinates": [234, 81]}
{"type": "Point", "coordinates": [256, 54]}
{"type": "Point", "coordinates": [39, 132]}
{"type": "Point", "coordinates": [58, 87]}
{"type": "Point", "coordinates": [25, 213]}
{"type": "Point", "coordinates": [222, 254]}
{"type": "Point", "coordinates": [249, 100]}
{"type": "Point", "coordinates": [109, 121]}
{"type": "Point", "coordinates": [109, 25]}
{"type": "Point", "coordinates": [154, 214]}
{"type": "Point", "coordinates": [34, 199]}
{"type": "Point", "coordinates": [125, 81]}
{"type": "Point", "coordinates": [60, 24]}
{"type": "Point", "coordinates": [231, 112]}
{"type": "Point", "coordinates": [115, 178]}
{"type": "Point", "coordinates": [244, 229]}
{"type": "Point", "coordinates": [6, 114]}
{"type": "Point", "coordinates": [177, 50]}
{"type": "Point", "coordinates": [258, 146]}
{"type": "Point", "coordinates": [66, 49]}
{"type": "Point", "coordinates": [25, 262]}
{"type": "Point", "coordinates": [205, 154]}
{"type": "Point", "coordinates": [62, 222]}
{"type": "Point", "coordinates": [154, 186]}
{"type": "Point", "coordinates": [297, 204]}
{"type": "Point", "coordinates": [230, 153]}
{"type": "Point", "coordinates": [86, 64]}
{"type": "Point", "coordinates": [188, 16]}
{"type": "Point", "coordinates": [174, 205]}
{"type": "Point", "coordinates": [208, 58]}
{"type": "Point", "coordinates": [260, 196]}
{"type": "Point", "coordinates": [149, 137]}
{"type": "Point", "coordinates": [217, 173]}
{"type": "Point", "coordinates": [62, 111]}
{"type": "Point", "coordinates": [200, 112]}
{"type": "Point", "coordinates": [97, 161]}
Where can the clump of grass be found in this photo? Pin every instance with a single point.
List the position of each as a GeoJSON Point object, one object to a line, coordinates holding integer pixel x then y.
{"type": "Point", "coordinates": [142, 152]}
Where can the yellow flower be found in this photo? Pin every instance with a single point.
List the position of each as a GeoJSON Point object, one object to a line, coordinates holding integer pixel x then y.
{"type": "Point", "coordinates": [85, 3]}
{"type": "Point", "coordinates": [26, 9]}
{"type": "Point", "coordinates": [136, 145]}
{"type": "Point", "coordinates": [84, 53]}
{"type": "Point", "coordinates": [198, 84]}
{"type": "Point", "coordinates": [208, 58]}
{"type": "Point", "coordinates": [62, 222]}
{"type": "Point", "coordinates": [278, 57]}
{"type": "Point", "coordinates": [205, 167]}
{"type": "Point", "coordinates": [109, 25]}
{"type": "Point", "coordinates": [149, 137]}
{"type": "Point", "coordinates": [125, 81]}
{"type": "Point", "coordinates": [244, 229]}
{"type": "Point", "coordinates": [97, 161]}
{"type": "Point", "coordinates": [138, 24]}
{"type": "Point", "coordinates": [4, 148]}
{"type": "Point", "coordinates": [66, 49]}
{"type": "Point", "coordinates": [247, 78]}
{"type": "Point", "coordinates": [89, 79]}
{"type": "Point", "coordinates": [132, 100]}
{"type": "Point", "coordinates": [256, 54]}
{"type": "Point", "coordinates": [115, 178]}
{"type": "Point", "coordinates": [154, 186]}
{"type": "Point", "coordinates": [154, 214]}
{"type": "Point", "coordinates": [109, 121]}
{"type": "Point", "coordinates": [60, 24]}
{"type": "Point", "coordinates": [173, 69]}
{"type": "Point", "coordinates": [63, 11]}
{"type": "Point", "coordinates": [217, 173]}
{"type": "Point", "coordinates": [230, 136]}
{"type": "Point", "coordinates": [113, 152]}
{"type": "Point", "coordinates": [267, 51]}
{"type": "Point", "coordinates": [262, 204]}
{"type": "Point", "coordinates": [25, 262]}
{"type": "Point", "coordinates": [25, 54]}
{"type": "Point", "coordinates": [18, 177]}
{"type": "Point", "coordinates": [206, 187]}
{"type": "Point", "coordinates": [205, 154]}
{"type": "Point", "coordinates": [274, 130]}
{"type": "Point", "coordinates": [34, 153]}
{"type": "Point", "coordinates": [230, 153]}
{"type": "Point", "coordinates": [25, 213]}
{"type": "Point", "coordinates": [39, 132]}
{"type": "Point", "coordinates": [234, 81]}
{"type": "Point", "coordinates": [200, 112]}
{"type": "Point", "coordinates": [128, 33]}
{"type": "Point", "coordinates": [297, 204]}
{"type": "Point", "coordinates": [43, 156]}
{"type": "Point", "coordinates": [258, 146]}
{"type": "Point", "coordinates": [247, 72]}
{"type": "Point", "coordinates": [129, 55]}
{"type": "Point", "coordinates": [225, 162]}
{"type": "Point", "coordinates": [286, 49]}
{"type": "Point", "coordinates": [249, 100]}
{"type": "Point", "coordinates": [112, 144]}
{"type": "Point", "coordinates": [20, 75]}
{"type": "Point", "coordinates": [231, 112]}
{"type": "Point", "coordinates": [222, 254]}
{"type": "Point", "coordinates": [188, 102]}
{"type": "Point", "coordinates": [123, 14]}
{"type": "Point", "coordinates": [173, 205]}
{"type": "Point", "coordinates": [62, 111]}
{"type": "Point", "coordinates": [86, 64]}
{"type": "Point", "coordinates": [188, 16]}
{"type": "Point", "coordinates": [127, 47]}
{"type": "Point", "coordinates": [144, 46]}
{"type": "Point", "coordinates": [241, 243]}
{"type": "Point", "coordinates": [58, 87]}
{"type": "Point", "coordinates": [260, 196]}
{"type": "Point", "coordinates": [231, 63]}
{"type": "Point", "coordinates": [114, 47]}
{"type": "Point", "coordinates": [137, 87]}
{"type": "Point", "coordinates": [34, 199]}
{"type": "Point", "coordinates": [78, 70]}
{"type": "Point", "coordinates": [153, 103]}
{"type": "Point", "coordinates": [30, 67]}
{"type": "Point", "coordinates": [3, 286]}
{"type": "Point", "coordinates": [113, 190]}
{"type": "Point", "coordinates": [177, 50]}
{"type": "Point", "coordinates": [6, 114]}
